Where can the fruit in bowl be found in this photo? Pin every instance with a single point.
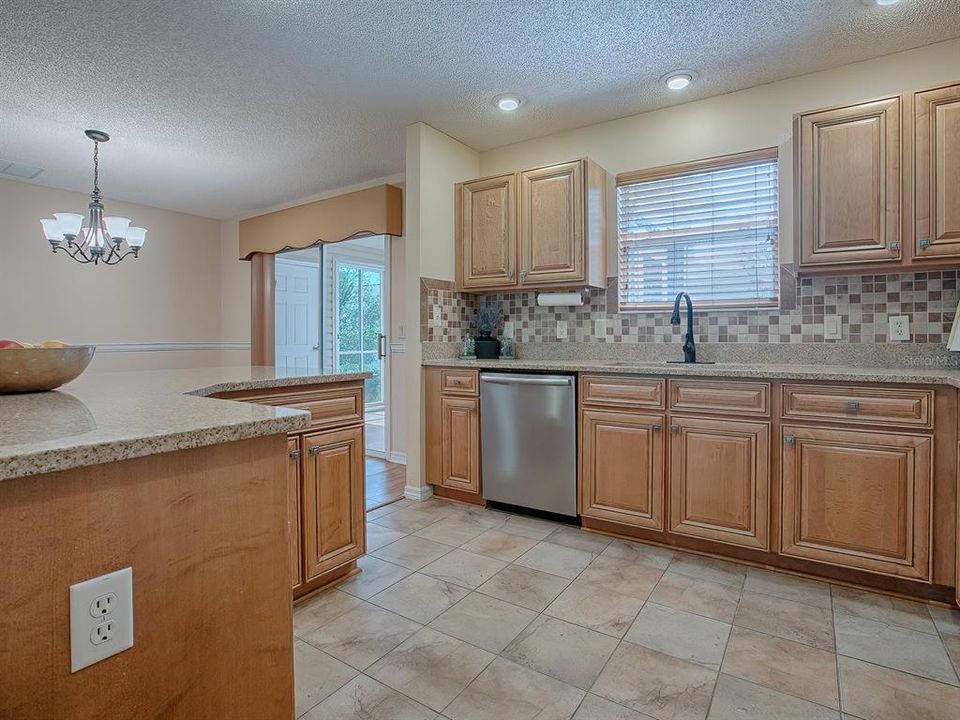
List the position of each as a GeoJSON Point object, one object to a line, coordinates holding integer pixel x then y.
{"type": "Point", "coordinates": [26, 368]}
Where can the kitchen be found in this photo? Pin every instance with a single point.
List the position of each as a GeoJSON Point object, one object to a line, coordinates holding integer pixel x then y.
{"type": "Point", "coordinates": [590, 526]}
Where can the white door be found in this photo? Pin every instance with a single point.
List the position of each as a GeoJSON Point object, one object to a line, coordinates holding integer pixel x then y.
{"type": "Point", "coordinates": [297, 299]}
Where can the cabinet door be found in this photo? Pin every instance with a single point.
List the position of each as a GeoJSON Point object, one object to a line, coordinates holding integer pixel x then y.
{"type": "Point", "coordinates": [460, 443]}
{"type": "Point", "coordinates": [857, 499]}
{"type": "Point", "coordinates": [293, 511]}
{"type": "Point", "coordinates": [621, 467]}
{"type": "Point", "coordinates": [849, 184]}
{"type": "Point", "coordinates": [720, 480]}
{"type": "Point", "coordinates": [486, 233]}
{"type": "Point", "coordinates": [938, 172]}
{"type": "Point", "coordinates": [551, 225]}
{"type": "Point", "coordinates": [333, 513]}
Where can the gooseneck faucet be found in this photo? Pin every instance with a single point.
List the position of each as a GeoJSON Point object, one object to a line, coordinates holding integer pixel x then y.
{"type": "Point", "coordinates": [689, 348]}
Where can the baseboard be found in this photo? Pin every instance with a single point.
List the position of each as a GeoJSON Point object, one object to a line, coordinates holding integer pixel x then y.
{"type": "Point", "coordinates": [397, 457]}
{"type": "Point", "coordinates": [411, 492]}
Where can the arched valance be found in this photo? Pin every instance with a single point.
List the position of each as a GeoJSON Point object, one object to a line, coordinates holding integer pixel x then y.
{"type": "Point", "coordinates": [374, 211]}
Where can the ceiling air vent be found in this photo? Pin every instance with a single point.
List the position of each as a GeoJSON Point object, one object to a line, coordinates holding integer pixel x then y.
{"type": "Point", "coordinates": [19, 170]}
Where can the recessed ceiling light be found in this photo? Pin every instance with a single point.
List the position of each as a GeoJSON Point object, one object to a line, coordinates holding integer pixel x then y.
{"type": "Point", "coordinates": [508, 103]}
{"type": "Point", "coordinates": [678, 80]}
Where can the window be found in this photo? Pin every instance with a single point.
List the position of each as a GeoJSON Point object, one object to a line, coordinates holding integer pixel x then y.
{"type": "Point", "coordinates": [708, 228]}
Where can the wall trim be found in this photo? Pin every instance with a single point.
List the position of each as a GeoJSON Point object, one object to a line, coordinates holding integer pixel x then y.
{"type": "Point", "coordinates": [419, 494]}
{"type": "Point", "coordinates": [169, 346]}
{"type": "Point", "coordinates": [397, 457]}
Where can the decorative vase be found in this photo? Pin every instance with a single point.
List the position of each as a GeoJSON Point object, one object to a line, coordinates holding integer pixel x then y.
{"type": "Point", "coordinates": [486, 347]}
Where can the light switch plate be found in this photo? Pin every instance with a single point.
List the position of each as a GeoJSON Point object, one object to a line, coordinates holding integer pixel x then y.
{"type": "Point", "coordinates": [101, 618]}
{"type": "Point", "coordinates": [508, 329]}
{"type": "Point", "coordinates": [832, 327]}
{"type": "Point", "coordinates": [898, 327]}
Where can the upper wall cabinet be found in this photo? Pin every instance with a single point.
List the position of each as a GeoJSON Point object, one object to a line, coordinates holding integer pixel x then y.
{"type": "Point", "coordinates": [538, 228]}
{"type": "Point", "coordinates": [878, 184]}
{"type": "Point", "coordinates": [849, 183]}
{"type": "Point", "coordinates": [937, 205]}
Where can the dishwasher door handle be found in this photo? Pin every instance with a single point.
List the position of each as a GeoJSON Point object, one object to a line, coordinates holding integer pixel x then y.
{"type": "Point", "coordinates": [533, 380]}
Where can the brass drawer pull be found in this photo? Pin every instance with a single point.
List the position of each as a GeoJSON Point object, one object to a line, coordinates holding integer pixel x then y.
{"type": "Point", "coordinates": [455, 381]}
{"type": "Point", "coordinates": [853, 406]}
{"type": "Point", "coordinates": [294, 454]}
{"type": "Point", "coordinates": [315, 450]}
{"type": "Point", "coordinates": [788, 439]}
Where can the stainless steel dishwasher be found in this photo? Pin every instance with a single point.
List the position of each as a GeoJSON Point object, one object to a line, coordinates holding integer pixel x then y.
{"type": "Point", "coordinates": [528, 437]}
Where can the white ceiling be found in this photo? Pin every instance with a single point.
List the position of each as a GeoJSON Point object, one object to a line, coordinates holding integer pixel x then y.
{"type": "Point", "coordinates": [225, 108]}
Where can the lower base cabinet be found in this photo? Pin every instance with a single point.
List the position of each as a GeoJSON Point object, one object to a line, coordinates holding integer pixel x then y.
{"type": "Point", "coordinates": [857, 499]}
{"type": "Point", "coordinates": [460, 443]}
{"type": "Point", "coordinates": [293, 511]}
{"type": "Point", "coordinates": [720, 480]}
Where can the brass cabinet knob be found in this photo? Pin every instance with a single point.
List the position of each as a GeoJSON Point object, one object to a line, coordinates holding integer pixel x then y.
{"type": "Point", "coordinates": [294, 454]}
{"type": "Point", "coordinates": [853, 406]}
{"type": "Point", "coordinates": [656, 427]}
{"type": "Point", "coordinates": [315, 450]}
{"type": "Point", "coordinates": [674, 428]}
{"type": "Point", "coordinates": [788, 439]}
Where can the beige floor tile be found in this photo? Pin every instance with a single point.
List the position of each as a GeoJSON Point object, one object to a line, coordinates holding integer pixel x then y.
{"type": "Point", "coordinates": [387, 509]}
{"type": "Point", "coordinates": [946, 619]}
{"type": "Point", "coordinates": [525, 587]}
{"type": "Point", "coordinates": [656, 684]}
{"type": "Point", "coordinates": [484, 621]}
{"type": "Point", "coordinates": [507, 691]}
{"type": "Point", "coordinates": [705, 568]}
{"type": "Point", "coordinates": [464, 568]}
{"type": "Point", "coordinates": [595, 608]}
{"type": "Point", "coordinates": [878, 693]}
{"type": "Point", "coordinates": [320, 609]}
{"type": "Point", "coordinates": [786, 619]}
{"type": "Point", "coordinates": [638, 552]}
{"type": "Point", "coordinates": [487, 517]}
{"type": "Point", "coordinates": [561, 650]}
{"type": "Point", "coordinates": [316, 675]}
{"type": "Point", "coordinates": [365, 699]}
{"type": "Point", "coordinates": [701, 597]}
{"type": "Point", "coordinates": [419, 597]}
{"type": "Point", "coordinates": [737, 699]}
{"type": "Point", "coordinates": [528, 527]}
{"type": "Point", "coordinates": [595, 707]}
{"type": "Point", "coordinates": [894, 647]}
{"type": "Point", "coordinates": [430, 667]}
{"type": "Point", "coordinates": [375, 575]}
{"type": "Point", "coordinates": [452, 530]}
{"type": "Point", "coordinates": [412, 552]}
{"type": "Point", "coordinates": [883, 608]}
{"type": "Point", "coordinates": [680, 634]}
{"type": "Point", "coordinates": [788, 587]}
{"type": "Point", "coordinates": [578, 539]}
{"type": "Point", "coordinates": [378, 536]}
{"type": "Point", "coordinates": [790, 667]}
{"type": "Point", "coordinates": [555, 559]}
{"type": "Point", "coordinates": [627, 578]}
{"type": "Point", "coordinates": [500, 545]}
{"type": "Point", "coordinates": [951, 643]}
{"type": "Point", "coordinates": [363, 635]}
{"type": "Point", "coordinates": [407, 520]}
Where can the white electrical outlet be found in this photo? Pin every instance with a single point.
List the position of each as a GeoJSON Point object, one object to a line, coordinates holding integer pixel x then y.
{"type": "Point", "coordinates": [561, 329]}
{"type": "Point", "coordinates": [101, 618]}
{"type": "Point", "coordinates": [508, 329]}
{"type": "Point", "coordinates": [898, 327]}
{"type": "Point", "coordinates": [832, 327]}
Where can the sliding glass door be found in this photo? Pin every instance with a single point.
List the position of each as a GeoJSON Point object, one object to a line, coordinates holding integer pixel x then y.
{"type": "Point", "coordinates": [359, 320]}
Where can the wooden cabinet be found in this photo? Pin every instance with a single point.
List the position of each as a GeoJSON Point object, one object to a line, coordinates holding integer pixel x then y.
{"type": "Point", "coordinates": [452, 424]}
{"type": "Point", "coordinates": [621, 467]}
{"type": "Point", "coordinates": [937, 178]}
{"type": "Point", "coordinates": [486, 233]}
{"type": "Point", "coordinates": [537, 228]}
{"type": "Point", "coordinates": [293, 511]}
{"type": "Point", "coordinates": [848, 181]}
{"type": "Point", "coordinates": [720, 480]}
{"type": "Point", "coordinates": [333, 511]}
{"type": "Point", "coordinates": [857, 499]}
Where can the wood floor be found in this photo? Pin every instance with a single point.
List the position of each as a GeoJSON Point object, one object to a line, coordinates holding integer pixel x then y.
{"type": "Point", "coordinates": [385, 481]}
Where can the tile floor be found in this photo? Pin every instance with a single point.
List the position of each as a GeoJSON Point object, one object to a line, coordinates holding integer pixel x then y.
{"type": "Point", "coordinates": [474, 614]}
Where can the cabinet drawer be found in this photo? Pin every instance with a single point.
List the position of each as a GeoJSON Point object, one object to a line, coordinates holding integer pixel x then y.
{"type": "Point", "coordinates": [622, 391]}
{"type": "Point", "coordinates": [328, 407]}
{"type": "Point", "coordinates": [459, 382]}
{"type": "Point", "coordinates": [705, 396]}
{"type": "Point", "coordinates": [859, 405]}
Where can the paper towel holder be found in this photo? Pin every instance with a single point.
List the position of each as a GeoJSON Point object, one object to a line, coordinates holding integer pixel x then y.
{"type": "Point", "coordinates": [574, 298]}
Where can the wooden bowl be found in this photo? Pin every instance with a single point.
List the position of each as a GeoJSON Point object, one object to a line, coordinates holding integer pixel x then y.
{"type": "Point", "coordinates": [24, 370]}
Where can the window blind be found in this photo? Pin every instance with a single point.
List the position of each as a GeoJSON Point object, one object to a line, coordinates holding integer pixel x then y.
{"type": "Point", "coordinates": [709, 229]}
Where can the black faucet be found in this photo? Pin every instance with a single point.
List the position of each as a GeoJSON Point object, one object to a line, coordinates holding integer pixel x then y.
{"type": "Point", "coordinates": [689, 349]}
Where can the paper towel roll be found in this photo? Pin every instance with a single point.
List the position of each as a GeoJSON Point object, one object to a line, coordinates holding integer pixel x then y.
{"type": "Point", "coordinates": [559, 298]}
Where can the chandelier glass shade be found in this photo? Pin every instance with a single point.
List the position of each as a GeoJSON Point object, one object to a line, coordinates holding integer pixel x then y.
{"type": "Point", "coordinates": [101, 240]}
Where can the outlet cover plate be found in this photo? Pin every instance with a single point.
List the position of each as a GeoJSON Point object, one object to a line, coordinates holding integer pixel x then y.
{"type": "Point", "coordinates": [898, 327]}
{"type": "Point", "coordinates": [84, 620]}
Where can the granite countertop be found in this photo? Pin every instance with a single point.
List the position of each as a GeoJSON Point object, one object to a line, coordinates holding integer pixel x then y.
{"type": "Point", "coordinates": [771, 371]}
{"type": "Point", "coordinates": [110, 416]}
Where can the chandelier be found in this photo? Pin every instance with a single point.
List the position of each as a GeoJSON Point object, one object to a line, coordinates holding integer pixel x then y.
{"type": "Point", "coordinates": [106, 240]}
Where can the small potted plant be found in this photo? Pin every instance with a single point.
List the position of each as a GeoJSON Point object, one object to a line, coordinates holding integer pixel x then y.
{"type": "Point", "coordinates": [486, 322]}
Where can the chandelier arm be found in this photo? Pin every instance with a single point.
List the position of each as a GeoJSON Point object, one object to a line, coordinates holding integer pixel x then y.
{"type": "Point", "coordinates": [119, 257]}
{"type": "Point", "coordinates": [77, 254]}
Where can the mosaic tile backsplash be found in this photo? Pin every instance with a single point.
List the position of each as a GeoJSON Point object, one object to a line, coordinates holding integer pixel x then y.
{"type": "Point", "coordinates": [864, 303]}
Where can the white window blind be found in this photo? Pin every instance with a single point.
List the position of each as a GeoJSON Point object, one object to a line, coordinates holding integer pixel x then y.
{"type": "Point", "coordinates": [709, 230]}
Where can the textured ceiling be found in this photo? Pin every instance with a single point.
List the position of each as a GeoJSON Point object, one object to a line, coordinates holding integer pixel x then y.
{"type": "Point", "coordinates": [225, 108]}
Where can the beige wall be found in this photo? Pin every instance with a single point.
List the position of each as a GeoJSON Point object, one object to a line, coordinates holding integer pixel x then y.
{"type": "Point", "coordinates": [754, 118]}
{"type": "Point", "coordinates": [171, 294]}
